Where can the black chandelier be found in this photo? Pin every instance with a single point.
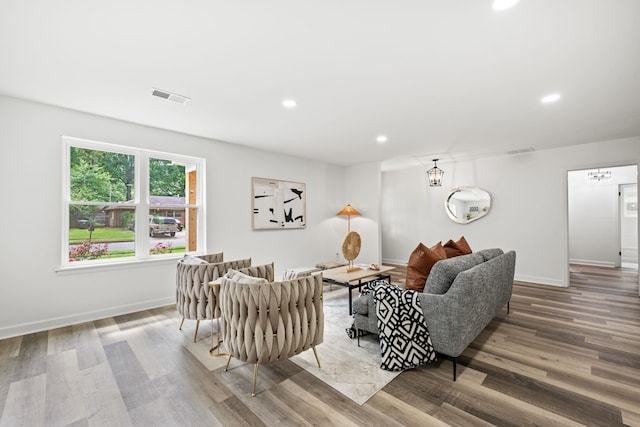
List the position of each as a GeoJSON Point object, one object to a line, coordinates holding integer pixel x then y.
{"type": "Point", "coordinates": [435, 175]}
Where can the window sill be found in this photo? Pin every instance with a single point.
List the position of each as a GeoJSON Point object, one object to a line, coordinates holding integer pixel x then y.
{"type": "Point", "coordinates": [134, 263]}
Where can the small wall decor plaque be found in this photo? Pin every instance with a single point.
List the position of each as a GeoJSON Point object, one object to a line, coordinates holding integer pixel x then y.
{"type": "Point", "coordinates": [278, 204]}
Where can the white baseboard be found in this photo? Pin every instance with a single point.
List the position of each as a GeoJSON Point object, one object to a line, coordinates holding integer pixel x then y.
{"type": "Point", "coordinates": [592, 263]}
{"type": "Point", "coordinates": [394, 261]}
{"type": "Point", "coordinates": [73, 319]}
{"type": "Point", "coordinates": [540, 280]}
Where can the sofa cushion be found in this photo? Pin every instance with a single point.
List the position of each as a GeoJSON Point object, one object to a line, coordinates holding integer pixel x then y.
{"type": "Point", "coordinates": [239, 277]}
{"type": "Point", "coordinates": [453, 249]}
{"type": "Point", "coordinates": [444, 272]}
{"type": "Point", "coordinates": [420, 263]}
{"type": "Point", "coordinates": [488, 254]}
{"type": "Point", "coordinates": [294, 273]}
{"type": "Point", "coordinates": [192, 260]}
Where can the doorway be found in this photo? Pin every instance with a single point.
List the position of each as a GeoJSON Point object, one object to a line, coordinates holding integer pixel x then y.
{"type": "Point", "coordinates": [602, 229]}
{"type": "Point", "coordinates": [628, 212]}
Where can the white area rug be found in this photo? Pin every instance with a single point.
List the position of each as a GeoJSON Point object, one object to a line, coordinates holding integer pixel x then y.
{"type": "Point", "coordinates": [353, 371]}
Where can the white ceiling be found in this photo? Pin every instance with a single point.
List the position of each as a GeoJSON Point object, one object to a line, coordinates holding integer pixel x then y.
{"type": "Point", "coordinates": [444, 79]}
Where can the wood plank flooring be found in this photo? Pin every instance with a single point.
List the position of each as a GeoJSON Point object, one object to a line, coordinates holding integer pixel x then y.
{"type": "Point", "coordinates": [562, 357]}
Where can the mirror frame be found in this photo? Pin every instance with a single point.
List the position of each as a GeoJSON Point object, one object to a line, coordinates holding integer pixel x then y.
{"type": "Point", "coordinates": [484, 204]}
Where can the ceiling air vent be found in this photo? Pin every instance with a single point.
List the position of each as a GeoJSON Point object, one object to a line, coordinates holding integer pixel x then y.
{"type": "Point", "coordinates": [170, 96]}
{"type": "Point", "coordinates": [521, 151]}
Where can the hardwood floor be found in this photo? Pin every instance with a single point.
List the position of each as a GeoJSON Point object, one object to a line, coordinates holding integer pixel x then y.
{"type": "Point", "coordinates": [563, 356]}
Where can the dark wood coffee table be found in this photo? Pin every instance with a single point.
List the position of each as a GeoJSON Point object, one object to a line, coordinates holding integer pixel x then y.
{"type": "Point", "coordinates": [339, 276]}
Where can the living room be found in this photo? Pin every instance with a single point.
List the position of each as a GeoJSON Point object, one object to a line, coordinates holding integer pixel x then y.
{"type": "Point", "coordinates": [52, 294]}
{"type": "Point", "coordinates": [529, 212]}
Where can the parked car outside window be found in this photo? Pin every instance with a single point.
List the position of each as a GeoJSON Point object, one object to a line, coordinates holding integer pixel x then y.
{"type": "Point", "coordinates": [171, 220]}
{"type": "Point", "coordinates": [160, 225]}
{"type": "Point", "coordinates": [179, 223]}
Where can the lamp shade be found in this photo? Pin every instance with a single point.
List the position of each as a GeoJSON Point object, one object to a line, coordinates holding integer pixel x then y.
{"type": "Point", "coordinates": [348, 211]}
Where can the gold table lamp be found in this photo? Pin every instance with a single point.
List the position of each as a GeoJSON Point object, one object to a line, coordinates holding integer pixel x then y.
{"type": "Point", "coordinates": [352, 241]}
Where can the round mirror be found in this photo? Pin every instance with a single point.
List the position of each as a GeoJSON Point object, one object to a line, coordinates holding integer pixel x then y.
{"type": "Point", "coordinates": [466, 204]}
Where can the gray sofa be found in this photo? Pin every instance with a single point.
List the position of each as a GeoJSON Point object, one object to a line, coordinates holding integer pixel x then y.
{"type": "Point", "coordinates": [461, 296]}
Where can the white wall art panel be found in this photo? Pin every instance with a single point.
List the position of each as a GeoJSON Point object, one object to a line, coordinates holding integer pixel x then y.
{"type": "Point", "coordinates": [278, 204]}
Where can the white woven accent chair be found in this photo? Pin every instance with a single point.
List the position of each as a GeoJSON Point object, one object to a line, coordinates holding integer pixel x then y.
{"type": "Point", "coordinates": [266, 322]}
{"type": "Point", "coordinates": [195, 299]}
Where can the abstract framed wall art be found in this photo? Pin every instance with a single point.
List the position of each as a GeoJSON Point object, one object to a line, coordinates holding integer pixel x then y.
{"type": "Point", "coordinates": [278, 204]}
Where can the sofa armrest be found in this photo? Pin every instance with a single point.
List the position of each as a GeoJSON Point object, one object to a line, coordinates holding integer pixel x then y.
{"type": "Point", "coordinates": [365, 305]}
{"type": "Point", "coordinates": [365, 317]}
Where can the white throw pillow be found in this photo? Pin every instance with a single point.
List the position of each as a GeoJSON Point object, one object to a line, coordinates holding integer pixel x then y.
{"type": "Point", "coordinates": [231, 274]}
{"type": "Point", "coordinates": [294, 273]}
{"type": "Point", "coordinates": [192, 260]}
{"type": "Point", "coordinates": [290, 274]}
{"type": "Point", "coordinates": [236, 276]}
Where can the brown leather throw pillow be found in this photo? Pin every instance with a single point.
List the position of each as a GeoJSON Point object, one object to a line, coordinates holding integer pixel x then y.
{"type": "Point", "coordinates": [461, 247]}
{"type": "Point", "coordinates": [420, 263]}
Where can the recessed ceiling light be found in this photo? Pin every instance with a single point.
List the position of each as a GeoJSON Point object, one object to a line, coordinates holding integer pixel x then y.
{"type": "Point", "coordinates": [382, 139]}
{"type": "Point", "coordinates": [289, 103]}
{"type": "Point", "coordinates": [552, 97]}
{"type": "Point", "coordinates": [504, 4]}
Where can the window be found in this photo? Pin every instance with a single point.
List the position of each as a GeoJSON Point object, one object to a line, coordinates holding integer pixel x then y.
{"type": "Point", "coordinates": [122, 203]}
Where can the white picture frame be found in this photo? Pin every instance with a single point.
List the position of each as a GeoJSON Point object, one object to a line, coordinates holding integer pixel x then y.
{"type": "Point", "coordinates": [277, 204]}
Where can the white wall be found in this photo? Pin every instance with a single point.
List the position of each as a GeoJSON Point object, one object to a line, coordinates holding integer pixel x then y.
{"type": "Point", "coordinates": [34, 296]}
{"type": "Point", "coordinates": [594, 237]}
{"type": "Point", "coordinates": [528, 212]}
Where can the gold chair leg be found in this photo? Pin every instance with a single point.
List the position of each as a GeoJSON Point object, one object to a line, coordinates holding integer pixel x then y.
{"type": "Point", "coordinates": [226, 367]}
{"type": "Point", "coordinates": [316, 354]}
{"type": "Point", "coordinates": [181, 323]}
{"type": "Point", "coordinates": [255, 377]}
{"type": "Point", "coordinates": [217, 345]}
{"type": "Point", "coordinates": [195, 336]}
